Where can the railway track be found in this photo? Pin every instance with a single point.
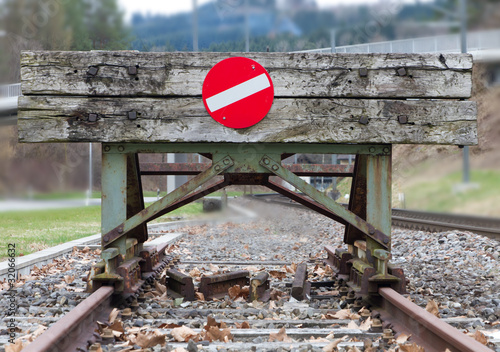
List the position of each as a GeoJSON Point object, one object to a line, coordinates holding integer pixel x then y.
{"type": "Point", "coordinates": [328, 316]}
{"type": "Point", "coordinates": [420, 220]}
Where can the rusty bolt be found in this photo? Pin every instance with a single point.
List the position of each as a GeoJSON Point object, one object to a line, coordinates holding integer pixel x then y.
{"type": "Point", "coordinates": [121, 148]}
{"type": "Point", "coordinates": [217, 167]}
{"type": "Point", "coordinates": [386, 240]}
{"type": "Point", "coordinates": [372, 231]}
{"type": "Point", "coordinates": [132, 70]}
{"type": "Point", "coordinates": [275, 167]}
{"type": "Point", "coordinates": [266, 161]}
{"type": "Point", "coordinates": [106, 238]}
{"type": "Point", "coordinates": [363, 72]}
{"type": "Point", "coordinates": [92, 70]}
{"type": "Point", "coordinates": [363, 120]}
{"type": "Point", "coordinates": [402, 119]}
{"type": "Point", "coordinates": [92, 117]}
{"type": "Point", "coordinates": [132, 115]}
{"type": "Point", "coordinates": [401, 71]}
{"type": "Point", "coordinates": [120, 230]}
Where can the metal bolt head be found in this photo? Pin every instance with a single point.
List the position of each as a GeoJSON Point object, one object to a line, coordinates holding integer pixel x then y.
{"type": "Point", "coordinates": [132, 70]}
{"type": "Point", "coordinates": [372, 231]}
{"type": "Point", "coordinates": [363, 120]}
{"type": "Point", "coordinates": [92, 70]}
{"type": "Point", "coordinates": [92, 117]}
{"type": "Point", "coordinates": [226, 161]}
{"type": "Point", "coordinates": [386, 240]}
{"type": "Point", "coordinates": [387, 150]}
{"type": "Point", "coordinates": [217, 167]}
{"type": "Point", "coordinates": [132, 115]}
{"type": "Point", "coordinates": [363, 72]}
{"type": "Point", "coordinates": [106, 238]}
{"type": "Point", "coordinates": [403, 119]}
{"type": "Point", "coordinates": [371, 150]}
{"type": "Point", "coordinates": [121, 148]}
{"type": "Point", "coordinates": [275, 167]}
{"type": "Point", "coordinates": [266, 161]}
{"type": "Point", "coordinates": [107, 148]}
{"type": "Point", "coordinates": [401, 71]}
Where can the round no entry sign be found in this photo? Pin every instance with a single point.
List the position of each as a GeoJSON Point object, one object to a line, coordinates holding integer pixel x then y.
{"type": "Point", "coordinates": [238, 92]}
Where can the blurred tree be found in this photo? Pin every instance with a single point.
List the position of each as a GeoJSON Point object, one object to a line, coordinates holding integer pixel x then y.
{"type": "Point", "coordinates": [105, 25]}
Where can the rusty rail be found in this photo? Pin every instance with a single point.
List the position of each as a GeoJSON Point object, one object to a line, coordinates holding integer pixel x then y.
{"type": "Point", "coordinates": [426, 330]}
{"type": "Point", "coordinates": [217, 286]}
{"type": "Point", "coordinates": [72, 331]}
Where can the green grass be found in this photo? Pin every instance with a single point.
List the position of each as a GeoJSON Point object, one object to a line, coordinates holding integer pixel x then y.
{"type": "Point", "coordinates": [441, 195]}
{"type": "Point", "coordinates": [32, 231]}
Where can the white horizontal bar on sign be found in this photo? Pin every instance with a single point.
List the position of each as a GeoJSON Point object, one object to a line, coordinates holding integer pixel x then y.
{"type": "Point", "coordinates": [238, 92]}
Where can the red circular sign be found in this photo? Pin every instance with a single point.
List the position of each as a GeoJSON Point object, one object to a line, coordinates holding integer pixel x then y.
{"type": "Point", "coordinates": [238, 92]}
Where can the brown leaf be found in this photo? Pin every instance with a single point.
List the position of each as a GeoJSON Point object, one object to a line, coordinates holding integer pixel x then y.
{"type": "Point", "coordinates": [243, 325]}
{"type": "Point", "coordinates": [276, 294]}
{"type": "Point", "coordinates": [352, 325]}
{"type": "Point", "coordinates": [200, 296]}
{"type": "Point", "coordinates": [160, 288]}
{"type": "Point", "coordinates": [146, 340]}
{"type": "Point", "coordinates": [117, 326]}
{"type": "Point", "coordinates": [333, 345]}
{"type": "Point", "coordinates": [366, 325]}
{"type": "Point", "coordinates": [342, 314]}
{"type": "Point", "coordinates": [195, 272]}
{"type": "Point", "coordinates": [432, 308]}
{"type": "Point", "coordinates": [112, 316]}
{"type": "Point", "coordinates": [480, 337]}
{"type": "Point", "coordinates": [16, 347]}
{"type": "Point", "coordinates": [280, 275]}
{"type": "Point", "coordinates": [234, 291]}
{"type": "Point", "coordinates": [183, 334]}
{"type": "Point", "coordinates": [216, 334]}
{"type": "Point", "coordinates": [168, 326]}
{"type": "Point", "coordinates": [411, 348]}
{"type": "Point", "coordinates": [280, 336]}
{"type": "Point", "coordinates": [402, 338]}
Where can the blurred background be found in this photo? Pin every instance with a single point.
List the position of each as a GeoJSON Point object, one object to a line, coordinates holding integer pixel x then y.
{"type": "Point", "coordinates": [438, 178]}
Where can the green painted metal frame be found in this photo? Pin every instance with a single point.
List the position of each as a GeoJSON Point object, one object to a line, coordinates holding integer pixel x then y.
{"type": "Point", "coordinates": [124, 216]}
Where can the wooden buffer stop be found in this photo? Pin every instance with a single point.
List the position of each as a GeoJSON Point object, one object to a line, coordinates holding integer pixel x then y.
{"type": "Point", "coordinates": [359, 104]}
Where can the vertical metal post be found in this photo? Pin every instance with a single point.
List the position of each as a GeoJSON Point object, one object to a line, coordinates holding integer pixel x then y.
{"type": "Point", "coordinates": [333, 42]}
{"type": "Point", "coordinates": [195, 25]}
{"type": "Point", "coordinates": [463, 44]}
{"type": "Point", "coordinates": [378, 195]}
{"type": "Point", "coordinates": [114, 193]}
{"type": "Point", "coordinates": [247, 29]}
{"type": "Point", "coordinates": [89, 192]}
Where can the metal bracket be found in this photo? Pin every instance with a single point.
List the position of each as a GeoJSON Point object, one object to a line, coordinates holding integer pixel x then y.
{"type": "Point", "coordinates": [368, 229]}
{"type": "Point", "coordinates": [157, 207]}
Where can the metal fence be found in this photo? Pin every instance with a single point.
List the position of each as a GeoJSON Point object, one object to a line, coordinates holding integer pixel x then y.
{"type": "Point", "coordinates": [481, 40]}
{"type": "Point", "coordinates": [10, 90]}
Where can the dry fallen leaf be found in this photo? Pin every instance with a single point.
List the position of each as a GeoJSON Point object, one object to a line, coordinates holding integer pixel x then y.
{"type": "Point", "coordinates": [280, 336]}
{"type": "Point", "coordinates": [411, 348]}
{"type": "Point", "coordinates": [146, 340]}
{"type": "Point", "coordinates": [280, 275]}
{"type": "Point", "coordinates": [333, 345]}
{"type": "Point", "coordinates": [16, 347]}
{"type": "Point", "coordinates": [183, 334]}
{"type": "Point", "coordinates": [168, 326]}
{"type": "Point", "coordinates": [243, 325]}
{"type": "Point", "coordinates": [402, 338]}
{"type": "Point", "coordinates": [200, 296]}
{"type": "Point", "coordinates": [432, 308]}
{"type": "Point", "coordinates": [195, 272]}
{"type": "Point", "coordinates": [480, 337]}
{"type": "Point", "coordinates": [366, 325]}
{"type": "Point", "coordinates": [69, 279]}
{"type": "Point", "coordinates": [160, 288]}
{"type": "Point", "coordinates": [352, 325]}
{"type": "Point", "coordinates": [112, 316]}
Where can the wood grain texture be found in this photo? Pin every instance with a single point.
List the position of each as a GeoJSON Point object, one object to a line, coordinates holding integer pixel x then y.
{"type": "Point", "coordinates": [162, 120]}
{"type": "Point", "coordinates": [293, 74]}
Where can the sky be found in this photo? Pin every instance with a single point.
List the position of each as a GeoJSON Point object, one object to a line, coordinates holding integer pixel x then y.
{"type": "Point", "coordinates": [174, 6]}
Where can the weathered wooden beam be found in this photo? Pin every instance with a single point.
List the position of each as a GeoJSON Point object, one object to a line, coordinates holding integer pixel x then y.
{"type": "Point", "coordinates": [69, 119]}
{"type": "Point", "coordinates": [127, 73]}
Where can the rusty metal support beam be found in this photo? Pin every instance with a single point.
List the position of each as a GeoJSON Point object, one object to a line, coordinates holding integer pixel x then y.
{"type": "Point", "coordinates": [319, 170]}
{"type": "Point", "coordinates": [171, 198]}
{"type": "Point", "coordinates": [368, 229]}
{"type": "Point", "coordinates": [307, 202]}
{"type": "Point", "coordinates": [135, 197]}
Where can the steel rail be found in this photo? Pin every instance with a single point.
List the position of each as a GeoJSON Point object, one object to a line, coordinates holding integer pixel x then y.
{"type": "Point", "coordinates": [425, 221]}
{"type": "Point", "coordinates": [426, 330]}
{"type": "Point", "coordinates": [72, 331]}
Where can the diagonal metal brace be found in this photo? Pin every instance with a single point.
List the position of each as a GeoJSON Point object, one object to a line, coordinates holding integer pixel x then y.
{"type": "Point", "coordinates": [157, 207]}
{"type": "Point", "coordinates": [368, 229]}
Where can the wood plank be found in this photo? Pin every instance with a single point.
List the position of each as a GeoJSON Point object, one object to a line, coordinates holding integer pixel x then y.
{"type": "Point", "coordinates": [293, 74]}
{"type": "Point", "coordinates": [64, 119]}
